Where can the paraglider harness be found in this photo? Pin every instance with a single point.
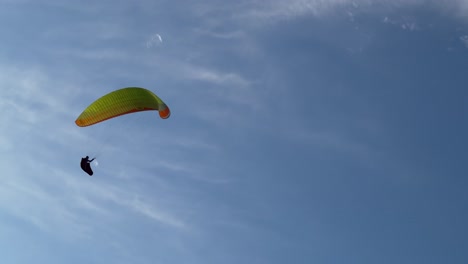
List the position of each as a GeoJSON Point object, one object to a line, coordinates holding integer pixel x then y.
{"type": "Point", "coordinates": [86, 165]}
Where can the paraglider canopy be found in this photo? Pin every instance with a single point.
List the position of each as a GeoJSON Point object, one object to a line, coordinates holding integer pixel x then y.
{"type": "Point", "coordinates": [120, 102]}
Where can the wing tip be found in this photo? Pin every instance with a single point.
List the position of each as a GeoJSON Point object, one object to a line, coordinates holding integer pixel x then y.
{"type": "Point", "coordinates": [79, 123]}
{"type": "Point", "coordinates": [165, 113]}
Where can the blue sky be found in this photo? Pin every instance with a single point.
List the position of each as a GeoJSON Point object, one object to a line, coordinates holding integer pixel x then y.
{"type": "Point", "coordinates": [302, 131]}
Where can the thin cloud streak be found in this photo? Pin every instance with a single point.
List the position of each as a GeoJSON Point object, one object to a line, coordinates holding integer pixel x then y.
{"type": "Point", "coordinates": [28, 200]}
{"type": "Point", "coordinates": [276, 11]}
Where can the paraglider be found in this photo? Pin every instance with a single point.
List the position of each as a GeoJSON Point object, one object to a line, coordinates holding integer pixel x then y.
{"type": "Point", "coordinates": [117, 103]}
{"type": "Point", "coordinates": [86, 165]}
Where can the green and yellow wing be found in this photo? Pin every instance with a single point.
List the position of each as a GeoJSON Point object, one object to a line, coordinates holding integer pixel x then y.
{"type": "Point", "coordinates": [120, 102]}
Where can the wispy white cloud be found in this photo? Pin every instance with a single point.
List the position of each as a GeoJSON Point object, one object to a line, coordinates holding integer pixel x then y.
{"type": "Point", "coordinates": [197, 144]}
{"type": "Point", "coordinates": [279, 10]}
{"type": "Point", "coordinates": [30, 201]}
{"type": "Point", "coordinates": [216, 95]}
{"type": "Point", "coordinates": [228, 35]}
{"type": "Point", "coordinates": [30, 89]}
{"type": "Point", "coordinates": [157, 215]}
{"type": "Point", "coordinates": [96, 54]}
{"type": "Point", "coordinates": [276, 10]}
{"type": "Point", "coordinates": [203, 74]}
{"type": "Point", "coordinates": [53, 200]}
{"type": "Point", "coordinates": [405, 24]}
{"type": "Point", "coordinates": [87, 32]}
{"type": "Point", "coordinates": [464, 40]}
